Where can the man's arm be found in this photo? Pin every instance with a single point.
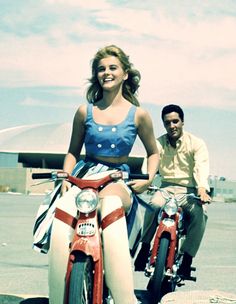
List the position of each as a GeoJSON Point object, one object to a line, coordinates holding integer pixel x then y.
{"type": "Point", "coordinates": [201, 170]}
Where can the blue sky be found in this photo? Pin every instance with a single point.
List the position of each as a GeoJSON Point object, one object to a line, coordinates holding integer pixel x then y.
{"type": "Point", "coordinates": [185, 51]}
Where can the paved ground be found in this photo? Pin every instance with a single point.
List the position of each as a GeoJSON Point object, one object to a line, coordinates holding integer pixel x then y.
{"type": "Point", "coordinates": [24, 272]}
{"type": "Point", "coordinates": [199, 297]}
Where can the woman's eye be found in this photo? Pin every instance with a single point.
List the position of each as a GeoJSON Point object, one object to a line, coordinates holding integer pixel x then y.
{"type": "Point", "coordinates": [101, 69]}
{"type": "Point", "coordinates": [113, 67]}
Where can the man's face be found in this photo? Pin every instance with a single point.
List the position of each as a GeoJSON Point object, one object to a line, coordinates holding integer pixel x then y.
{"type": "Point", "coordinates": [173, 125]}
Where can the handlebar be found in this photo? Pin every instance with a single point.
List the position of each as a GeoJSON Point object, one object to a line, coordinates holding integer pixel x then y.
{"type": "Point", "coordinates": [63, 175]}
{"type": "Point", "coordinates": [42, 175]}
{"type": "Point", "coordinates": [192, 195]}
{"type": "Point", "coordinates": [179, 197]}
{"type": "Point", "coordinates": [198, 198]}
{"type": "Point", "coordinates": [89, 183]}
{"type": "Point", "coordinates": [50, 175]}
{"type": "Point", "coordinates": [138, 176]}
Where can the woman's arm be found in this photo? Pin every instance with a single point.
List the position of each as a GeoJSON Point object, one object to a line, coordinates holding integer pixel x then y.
{"type": "Point", "coordinates": [76, 143]}
{"type": "Point", "coordinates": [146, 135]}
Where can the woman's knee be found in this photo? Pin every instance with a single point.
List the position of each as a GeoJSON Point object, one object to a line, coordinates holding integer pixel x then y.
{"type": "Point", "coordinates": [109, 203]}
{"type": "Point", "coordinates": [120, 191]}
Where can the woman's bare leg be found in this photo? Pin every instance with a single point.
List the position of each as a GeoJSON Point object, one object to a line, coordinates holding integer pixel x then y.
{"type": "Point", "coordinates": [117, 260]}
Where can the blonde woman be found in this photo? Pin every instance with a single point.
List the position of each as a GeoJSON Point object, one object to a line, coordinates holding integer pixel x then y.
{"type": "Point", "coordinates": [107, 126]}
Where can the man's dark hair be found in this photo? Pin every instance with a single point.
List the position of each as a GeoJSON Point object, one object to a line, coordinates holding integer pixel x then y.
{"type": "Point", "coordinates": [172, 108]}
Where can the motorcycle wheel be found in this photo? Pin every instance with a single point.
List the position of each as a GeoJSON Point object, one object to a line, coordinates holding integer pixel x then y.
{"type": "Point", "coordinates": [81, 280]}
{"type": "Point", "coordinates": [156, 285]}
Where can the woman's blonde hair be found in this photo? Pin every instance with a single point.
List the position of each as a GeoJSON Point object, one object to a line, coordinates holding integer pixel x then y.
{"type": "Point", "coordinates": [130, 85]}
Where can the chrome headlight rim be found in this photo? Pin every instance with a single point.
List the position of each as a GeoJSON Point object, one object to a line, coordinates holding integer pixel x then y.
{"type": "Point", "coordinates": [171, 207]}
{"type": "Point", "coordinates": [86, 200]}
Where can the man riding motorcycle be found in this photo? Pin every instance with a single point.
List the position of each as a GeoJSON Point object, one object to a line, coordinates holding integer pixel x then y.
{"type": "Point", "coordinates": [184, 168]}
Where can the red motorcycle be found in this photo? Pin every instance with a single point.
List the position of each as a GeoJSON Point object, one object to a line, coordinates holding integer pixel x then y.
{"type": "Point", "coordinates": [166, 256]}
{"type": "Point", "coordinates": [84, 282]}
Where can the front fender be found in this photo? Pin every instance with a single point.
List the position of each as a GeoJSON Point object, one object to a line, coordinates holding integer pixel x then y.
{"type": "Point", "coordinates": [169, 229]}
{"type": "Point", "coordinates": [166, 227]}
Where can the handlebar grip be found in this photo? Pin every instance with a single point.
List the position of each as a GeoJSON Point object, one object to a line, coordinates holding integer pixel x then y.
{"type": "Point", "coordinates": [192, 195]}
{"type": "Point", "coordinates": [42, 175]}
{"type": "Point", "coordinates": [138, 176]}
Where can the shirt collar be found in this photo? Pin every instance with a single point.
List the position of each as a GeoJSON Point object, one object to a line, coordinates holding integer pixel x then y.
{"type": "Point", "coordinates": [179, 141]}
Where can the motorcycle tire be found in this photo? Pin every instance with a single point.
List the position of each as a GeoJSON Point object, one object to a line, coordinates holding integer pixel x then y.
{"type": "Point", "coordinates": [81, 280]}
{"type": "Point", "coordinates": [157, 283]}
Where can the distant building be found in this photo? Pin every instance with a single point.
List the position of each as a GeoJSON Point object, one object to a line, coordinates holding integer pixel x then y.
{"type": "Point", "coordinates": [223, 189]}
{"type": "Point", "coordinates": [34, 148]}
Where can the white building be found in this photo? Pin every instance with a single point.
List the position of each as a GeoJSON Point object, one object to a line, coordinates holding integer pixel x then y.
{"type": "Point", "coordinates": [35, 148]}
{"type": "Point", "coordinates": [31, 148]}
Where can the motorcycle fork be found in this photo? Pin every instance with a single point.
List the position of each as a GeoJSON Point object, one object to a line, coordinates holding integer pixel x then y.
{"type": "Point", "coordinates": [171, 231]}
{"type": "Point", "coordinates": [90, 245]}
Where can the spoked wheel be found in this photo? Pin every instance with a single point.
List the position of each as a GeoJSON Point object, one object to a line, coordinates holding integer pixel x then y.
{"type": "Point", "coordinates": [81, 280]}
{"type": "Point", "coordinates": [158, 283]}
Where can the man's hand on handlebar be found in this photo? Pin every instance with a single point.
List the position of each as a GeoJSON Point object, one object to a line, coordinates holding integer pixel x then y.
{"type": "Point", "coordinates": [204, 197]}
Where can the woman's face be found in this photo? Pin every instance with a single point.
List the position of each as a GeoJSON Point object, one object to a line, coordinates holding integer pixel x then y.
{"type": "Point", "coordinates": [110, 73]}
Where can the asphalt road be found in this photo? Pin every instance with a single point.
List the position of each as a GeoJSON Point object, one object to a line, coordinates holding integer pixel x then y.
{"type": "Point", "coordinates": [23, 272]}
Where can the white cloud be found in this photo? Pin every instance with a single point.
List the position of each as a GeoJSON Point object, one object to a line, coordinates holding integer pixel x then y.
{"type": "Point", "coordinates": [44, 65]}
{"type": "Point", "coordinates": [179, 59]}
{"type": "Point", "coordinates": [202, 33]}
{"type": "Point", "coordinates": [91, 4]}
{"type": "Point", "coordinates": [32, 102]}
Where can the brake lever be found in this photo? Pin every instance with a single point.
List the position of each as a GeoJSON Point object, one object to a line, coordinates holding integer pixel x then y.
{"type": "Point", "coordinates": [43, 182]}
{"type": "Point", "coordinates": [151, 189]}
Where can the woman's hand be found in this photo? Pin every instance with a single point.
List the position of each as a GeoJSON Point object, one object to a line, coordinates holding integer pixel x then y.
{"type": "Point", "coordinates": [139, 185]}
{"type": "Point", "coordinates": [65, 186]}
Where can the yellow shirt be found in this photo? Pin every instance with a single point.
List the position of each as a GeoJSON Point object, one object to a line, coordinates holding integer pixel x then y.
{"type": "Point", "coordinates": [186, 165]}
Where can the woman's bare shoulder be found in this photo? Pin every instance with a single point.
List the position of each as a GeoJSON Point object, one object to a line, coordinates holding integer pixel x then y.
{"type": "Point", "coordinates": [81, 112]}
{"type": "Point", "coordinates": [142, 114]}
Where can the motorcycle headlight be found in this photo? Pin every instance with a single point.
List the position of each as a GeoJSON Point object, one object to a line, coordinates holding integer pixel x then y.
{"type": "Point", "coordinates": [171, 207]}
{"type": "Point", "coordinates": [86, 201]}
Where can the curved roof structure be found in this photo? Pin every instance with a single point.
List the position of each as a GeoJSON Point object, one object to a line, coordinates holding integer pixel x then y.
{"type": "Point", "coordinates": [43, 138]}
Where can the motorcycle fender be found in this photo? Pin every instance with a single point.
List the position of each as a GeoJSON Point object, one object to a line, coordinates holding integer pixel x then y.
{"type": "Point", "coordinates": [168, 229]}
{"type": "Point", "coordinates": [163, 229]}
{"type": "Point", "coordinates": [91, 248]}
{"type": "Point", "coordinates": [89, 244]}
